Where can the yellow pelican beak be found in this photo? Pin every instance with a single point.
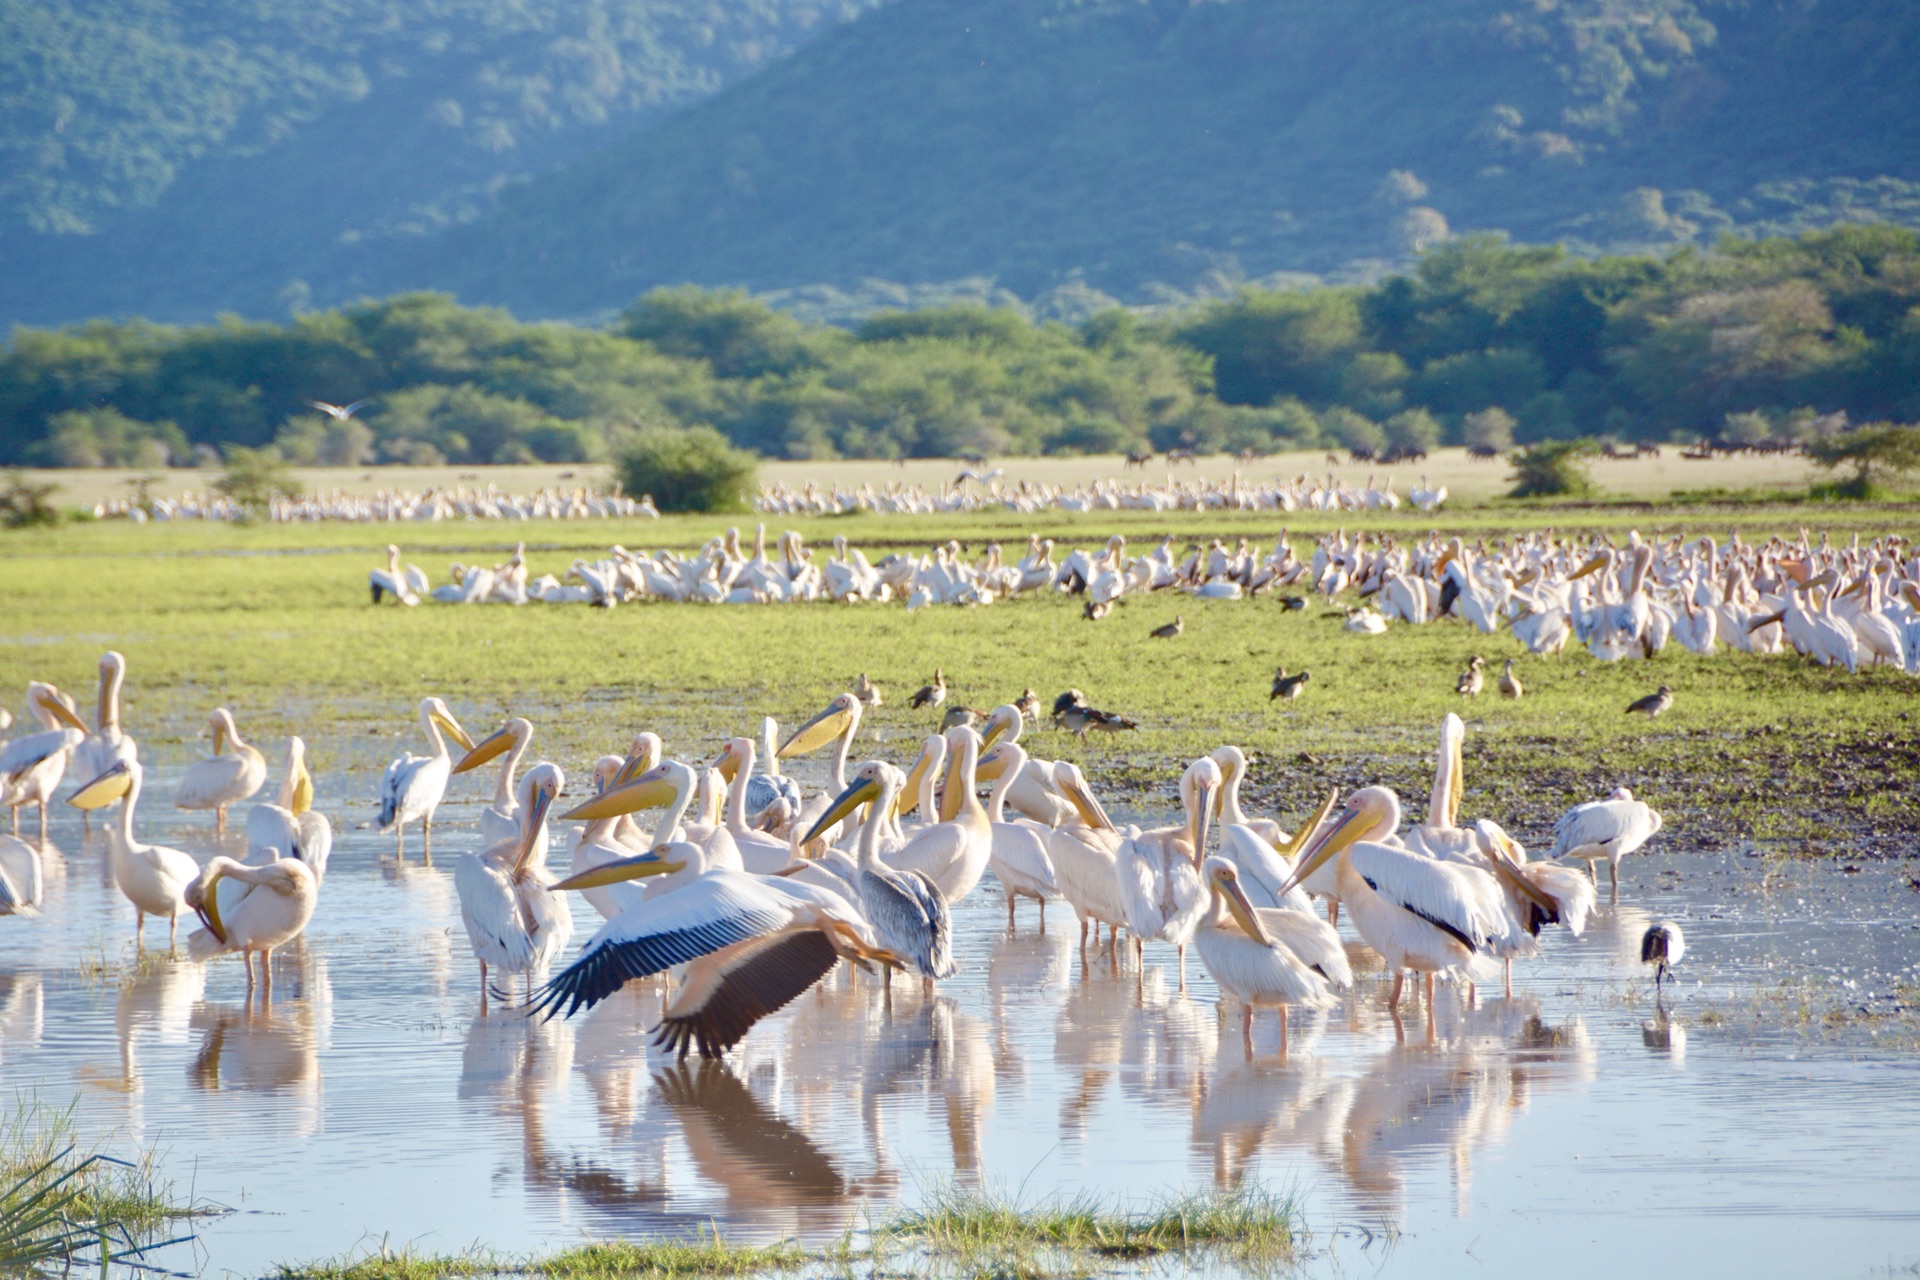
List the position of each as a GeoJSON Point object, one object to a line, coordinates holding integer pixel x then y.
{"type": "Point", "coordinates": [622, 869]}
{"type": "Point", "coordinates": [103, 790]}
{"type": "Point", "coordinates": [997, 728]}
{"type": "Point", "coordinates": [491, 748]}
{"type": "Point", "coordinates": [817, 732]}
{"type": "Point", "coordinates": [1203, 823]}
{"type": "Point", "coordinates": [209, 907]}
{"type": "Point", "coordinates": [727, 763]}
{"type": "Point", "coordinates": [219, 744]}
{"type": "Point", "coordinates": [1453, 784]}
{"type": "Point", "coordinates": [302, 788]}
{"type": "Point", "coordinates": [1305, 833]}
{"type": "Point", "coordinates": [1240, 909]}
{"type": "Point", "coordinates": [845, 803]}
{"type": "Point", "coordinates": [1592, 566]}
{"type": "Point", "coordinates": [990, 767]}
{"type": "Point", "coordinates": [451, 727]}
{"type": "Point", "coordinates": [644, 792]}
{"type": "Point", "coordinates": [58, 710]}
{"type": "Point", "coordinates": [531, 826]}
{"type": "Point", "coordinates": [909, 798]}
{"type": "Point", "coordinates": [1088, 808]}
{"type": "Point", "coordinates": [1338, 838]}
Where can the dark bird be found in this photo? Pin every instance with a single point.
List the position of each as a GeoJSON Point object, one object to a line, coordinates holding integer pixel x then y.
{"type": "Point", "coordinates": [930, 695]}
{"type": "Point", "coordinates": [1286, 686]}
{"type": "Point", "coordinates": [1028, 706]}
{"type": "Point", "coordinates": [340, 412]}
{"type": "Point", "coordinates": [1097, 609]}
{"type": "Point", "coordinates": [1662, 946]}
{"type": "Point", "coordinates": [1071, 698]}
{"type": "Point", "coordinates": [1449, 592]}
{"type": "Point", "coordinates": [1473, 679]}
{"type": "Point", "coordinates": [1293, 603]}
{"type": "Point", "coordinates": [956, 717]}
{"type": "Point", "coordinates": [1080, 718]}
{"type": "Point", "coordinates": [1171, 630]}
{"type": "Point", "coordinates": [1653, 704]}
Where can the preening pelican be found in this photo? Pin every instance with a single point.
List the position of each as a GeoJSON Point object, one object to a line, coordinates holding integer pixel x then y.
{"type": "Point", "coordinates": [1418, 913]}
{"type": "Point", "coordinates": [108, 743]}
{"type": "Point", "coordinates": [223, 778]}
{"type": "Point", "coordinates": [500, 821]}
{"type": "Point", "coordinates": [1442, 836]}
{"type": "Point", "coordinates": [952, 853]}
{"type": "Point", "coordinates": [1239, 947]}
{"type": "Point", "coordinates": [764, 790]}
{"type": "Point", "coordinates": [1084, 856]}
{"type": "Point", "coordinates": [906, 908]}
{"type": "Point", "coordinates": [515, 917]}
{"type": "Point", "coordinates": [21, 884]}
{"type": "Point", "coordinates": [154, 877]}
{"type": "Point", "coordinates": [32, 765]}
{"type": "Point", "coordinates": [414, 785]}
{"type": "Point", "coordinates": [1019, 852]}
{"type": "Point", "coordinates": [1538, 893]}
{"type": "Point", "coordinates": [1610, 829]}
{"type": "Point", "coordinates": [289, 827]}
{"type": "Point", "coordinates": [1159, 870]}
{"type": "Point", "coordinates": [1032, 791]}
{"type": "Point", "coordinates": [751, 944]}
{"type": "Point", "coordinates": [279, 902]}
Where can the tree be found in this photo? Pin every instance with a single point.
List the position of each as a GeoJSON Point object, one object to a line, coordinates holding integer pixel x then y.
{"type": "Point", "coordinates": [1354, 431]}
{"type": "Point", "coordinates": [1880, 453]}
{"type": "Point", "coordinates": [689, 469]}
{"type": "Point", "coordinates": [1488, 429]}
{"type": "Point", "coordinates": [1413, 429]}
{"type": "Point", "coordinates": [24, 504]}
{"type": "Point", "coordinates": [1553, 469]}
{"type": "Point", "coordinates": [255, 477]}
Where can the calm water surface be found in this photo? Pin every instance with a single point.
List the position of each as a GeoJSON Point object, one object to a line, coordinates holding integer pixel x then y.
{"type": "Point", "coordinates": [373, 1100]}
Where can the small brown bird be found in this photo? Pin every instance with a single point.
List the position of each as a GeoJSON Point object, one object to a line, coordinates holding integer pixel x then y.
{"type": "Point", "coordinates": [958, 716]}
{"type": "Point", "coordinates": [1653, 704]}
{"type": "Point", "coordinates": [868, 692]}
{"type": "Point", "coordinates": [930, 695]}
{"type": "Point", "coordinates": [1028, 706]}
{"type": "Point", "coordinates": [1171, 630]}
{"type": "Point", "coordinates": [1510, 683]}
{"type": "Point", "coordinates": [1473, 679]}
{"type": "Point", "coordinates": [1095, 611]}
{"type": "Point", "coordinates": [1286, 686]}
{"type": "Point", "coordinates": [1080, 718]}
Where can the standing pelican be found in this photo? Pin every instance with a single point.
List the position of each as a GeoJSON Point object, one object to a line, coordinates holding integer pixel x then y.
{"type": "Point", "coordinates": [21, 882]}
{"type": "Point", "coordinates": [1610, 829]}
{"type": "Point", "coordinates": [906, 908]}
{"type": "Point", "coordinates": [759, 853]}
{"type": "Point", "coordinates": [517, 921]}
{"type": "Point", "coordinates": [598, 845]}
{"type": "Point", "coordinates": [281, 897]}
{"type": "Point", "coordinates": [289, 827]}
{"type": "Point", "coordinates": [222, 778]}
{"type": "Point", "coordinates": [1442, 836]}
{"type": "Point", "coordinates": [1418, 913]}
{"type": "Point", "coordinates": [32, 765]}
{"type": "Point", "coordinates": [154, 878]}
{"type": "Point", "coordinates": [1159, 870]}
{"type": "Point", "coordinates": [500, 820]}
{"type": "Point", "coordinates": [1084, 854]}
{"type": "Point", "coordinates": [1239, 948]}
{"type": "Point", "coordinates": [952, 853]}
{"type": "Point", "coordinates": [1019, 852]}
{"type": "Point", "coordinates": [837, 724]}
{"type": "Point", "coordinates": [413, 786]}
{"type": "Point", "coordinates": [108, 743]}
{"type": "Point", "coordinates": [1538, 893]}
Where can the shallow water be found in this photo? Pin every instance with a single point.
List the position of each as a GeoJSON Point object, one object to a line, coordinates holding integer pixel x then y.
{"type": "Point", "coordinates": [1762, 1128]}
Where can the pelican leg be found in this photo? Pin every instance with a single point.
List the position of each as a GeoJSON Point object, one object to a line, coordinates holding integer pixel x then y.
{"type": "Point", "coordinates": [1181, 951]}
{"type": "Point", "coordinates": [220, 820]}
{"type": "Point", "coordinates": [139, 929]}
{"type": "Point", "coordinates": [1043, 914]}
{"type": "Point", "coordinates": [1333, 912]}
{"type": "Point", "coordinates": [1393, 1000]}
{"type": "Point", "coordinates": [400, 841]}
{"type": "Point", "coordinates": [1430, 1011]}
{"type": "Point", "coordinates": [246, 958]}
{"type": "Point", "coordinates": [1083, 936]}
{"type": "Point", "coordinates": [86, 821]}
{"type": "Point", "coordinates": [15, 811]}
{"type": "Point", "coordinates": [173, 931]}
{"type": "Point", "coordinates": [1613, 881]}
{"type": "Point", "coordinates": [1509, 977]}
{"type": "Point", "coordinates": [1593, 873]}
{"type": "Point", "coordinates": [1283, 1031]}
{"type": "Point", "coordinates": [426, 841]}
{"type": "Point", "coordinates": [1246, 1029]}
{"type": "Point", "coordinates": [1010, 926]}
{"type": "Point", "coordinates": [43, 821]}
{"type": "Point", "coordinates": [1473, 995]}
{"type": "Point", "coordinates": [483, 986]}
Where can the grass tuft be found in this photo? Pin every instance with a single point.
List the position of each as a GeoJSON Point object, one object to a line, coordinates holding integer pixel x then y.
{"type": "Point", "coordinates": [608, 1260]}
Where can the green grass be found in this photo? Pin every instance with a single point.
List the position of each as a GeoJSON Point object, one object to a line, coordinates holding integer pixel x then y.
{"type": "Point", "coordinates": [1756, 748]}
{"type": "Point", "coordinates": [609, 1260]}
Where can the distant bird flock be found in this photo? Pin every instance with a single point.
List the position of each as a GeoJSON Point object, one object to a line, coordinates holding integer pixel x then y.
{"type": "Point", "coordinates": [972, 491]}
{"type": "Point", "coordinates": [388, 506]}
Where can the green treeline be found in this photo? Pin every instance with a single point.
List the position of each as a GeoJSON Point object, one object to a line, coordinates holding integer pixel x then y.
{"type": "Point", "coordinates": [1484, 342]}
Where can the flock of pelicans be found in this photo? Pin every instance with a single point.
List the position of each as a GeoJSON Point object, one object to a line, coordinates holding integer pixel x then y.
{"type": "Point", "coordinates": [427, 505]}
{"type": "Point", "coordinates": [750, 890]}
{"type": "Point", "coordinates": [1847, 605]}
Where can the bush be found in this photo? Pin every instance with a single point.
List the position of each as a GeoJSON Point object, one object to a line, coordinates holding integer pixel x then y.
{"type": "Point", "coordinates": [1488, 429]}
{"type": "Point", "coordinates": [1880, 453]}
{"type": "Point", "coordinates": [24, 505]}
{"type": "Point", "coordinates": [1553, 469]}
{"type": "Point", "coordinates": [689, 469]}
{"type": "Point", "coordinates": [1353, 431]}
{"type": "Point", "coordinates": [1413, 429]}
{"type": "Point", "coordinates": [255, 477]}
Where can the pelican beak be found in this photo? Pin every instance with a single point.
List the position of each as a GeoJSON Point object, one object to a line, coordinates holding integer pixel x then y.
{"type": "Point", "coordinates": [59, 711]}
{"type": "Point", "coordinates": [209, 907]}
{"type": "Point", "coordinates": [491, 748]}
{"type": "Point", "coordinates": [1242, 910]}
{"type": "Point", "coordinates": [219, 745]}
{"type": "Point", "coordinates": [909, 798]}
{"type": "Point", "coordinates": [1507, 867]}
{"type": "Point", "coordinates": [997, 728]}
{"type": "Point", "coordinates": [951, 792]}
{"type": "Point", "coordinates": [845, 803]}
{"type": "Point", "coordinates": [1305, 833]}
{"type": "Point", "coordinates": [302, 789]}
{"type": "Point", "coordinates": [1592, 566]}
{"type": "Point", "coordinates": [1453, 784]}
{"type": "Point", "coordinates": [817, 732]}
{"type": "Point", "coordinates": [451, 727]}
{"type": "Point", "coordinates": [727, 763]}
{"type": "Point", "coordinates": [1203, 822]}
{"type": "Point", "coordinates": [644, 792]}
{"type": "Point", "coordinates": [636, 765]}
{"type": "Point", "coordinates": [535, 821]}
{"type": "Point", "coordinates": [620, 870]}
{"type": "Point", "coordinates": [990, 767]}
{"type": "Point", "coordinates": [1089, 808]}
{"type": "Point", "coordinates": [103, 790]}
{"type": "Point", "coordinates": [1329, 845]}
{"type": "Point", "coordinates": [1766, 620]}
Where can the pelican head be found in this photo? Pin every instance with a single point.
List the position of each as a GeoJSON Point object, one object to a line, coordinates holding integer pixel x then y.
{"type": "Point", "coordinates": [605, 770]}
{"type": "Point", "coordinates": [435, 712]}
{"type": "Point", "coordinates": [118, 781]}
{"type": "Point", "coordinates": [47, 700]}
{"type": "Point", "coordinates": [1006, 757]}
{"type": "Point", "coordinates": [224, 730]}
{"type": "Point", "coordinates": [657, 787]}
{"type": "Point", "coordinates": [643, 754]}
{"type": "Point", "coordinates": [1071, 783]}
{"type": "Point", "coordinates": [732, 756]}
{"type": "Point", "coordinates": [113, 670]}
{"type": "Point", "coordinates": [1368, 811]}
{"type": "Point", "coordinates": [1223, 880]}
{"type": "Point", "coordinates": [516, 732]}
{"type": "Point", "coordinates": [661, 860]}
{"type": "Point", "coordinates": [201, 895]}
{"type": "Point", "coordinates": [840, 716]}
{"type": "Point", "coordinates": [302, 797]}
{"type": "Point", "coordinates": [1004, 722]}
{"type": "Point", "coordinates": [933, 754]}
{"type": "Point", "coordinates": [870, 781]}
{"type": "Point", "coordinates": [1506, 857]}
{"type": "Point", "coordinates": [1199, 786]}
{"type": "Point", "coordinates": [537, 791]}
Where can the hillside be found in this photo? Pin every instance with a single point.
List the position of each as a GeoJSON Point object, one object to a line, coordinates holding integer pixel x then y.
{"type": "Point", "coordinates": [1130, 145]}
{"type": "Point", "coordinates": [174, 157]}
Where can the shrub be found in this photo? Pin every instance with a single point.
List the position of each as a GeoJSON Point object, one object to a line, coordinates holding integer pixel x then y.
{"type": "Point", "coordinates": [689, 469]}
{"type": "Point", "coordinates": [1880, 453]}
{"type": "Point", "coordinates": [24, 504]}
{"type": "Point", "coordinates": [1413, 429]}
{"type": "Point", "coordinates": [1488, 429]}
{"type": "Point", "coordinates": [255, 477]}
{"type": "Point", "coordinates": [1553, 469]}
{"type": "Point", "coordinates": [1353, 431]}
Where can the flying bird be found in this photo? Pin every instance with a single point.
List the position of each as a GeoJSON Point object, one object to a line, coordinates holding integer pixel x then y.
{"type": "Point", "coordinates": [341, 413]}
{"type": "Point", "coordinates": [1653, 704]}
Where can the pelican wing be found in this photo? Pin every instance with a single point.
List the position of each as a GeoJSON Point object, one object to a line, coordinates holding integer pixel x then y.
{"type": "Point", "coordinates": [726, 992]}
{"type": "Point", "coordinates": [491, 914]}
{"type": "Point", "coordinates": [216, 780]}
{"type": "Point", "coordinates": [717, 910]}
{"type": "Point", "coordinates": [272, 833]}
{"type": "Point", "coordinates": [1263, 868]}
{"type": "Point", "coordinates": [1439, 893]}
{"type": "Point", "coordinates": [397, 784]}
{"type": "Point", "coordinates": [910, 917]}
{"type": "Point", "coordinates": [1020, 855]}
{"type": "Point", "coordinates": [1594, 827]}
{"type": "Point", "coordinates": [20, 879]}
{"type": "Point", "coordinates": [23, 753]}
{"type": "Point", "coordinates": [316, 843]}
{"type": "Point", "coordinates": [1308, 935]}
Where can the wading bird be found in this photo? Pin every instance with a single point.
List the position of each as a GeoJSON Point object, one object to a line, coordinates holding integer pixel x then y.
{"type": "Point", "coordinates": [21, 881]}
{"type": "Point", "coordinates": [867, 691]}
{"type": "Point", "coordinates": [930, 695]}
{"type": "Point", "coordinates": [1246, 952]}
{"type": "Point", "coordinates": [280, 899]}
{"type": "Point", "coordinates": [1019, 852]}
{"type": "Point", "coordinates": [1084, 851]}
{"type": "Point", "coordinates": [500, 820]}
{"type": "Point", "coordinates": [1662, 946]}
{"type": "Point", "coordinates": [1654, 704]}
{"type": "Point", "coordinates": [289, 827]}
{"type": "Point", "coordinates": [32, 764]}
{"type": "Point", "coordinates": [1159, 870]}
{"type": "Point", "coordinates": [414, 786]}
{"type": "Point", "coordinates": [108, 743]}
{"type": "Point", "coordinates": [153, 877]}
{"type": "Point", "coordinates": [1611, 828]}
{"type": "Point", "coordinates": [225, 777]}
{"type": "Point", "coordinates": [1288, 687]}
{"type": "Point", "coordinates": [516, 919]}
{"type": "Point", "coordinates": [1510, 685]}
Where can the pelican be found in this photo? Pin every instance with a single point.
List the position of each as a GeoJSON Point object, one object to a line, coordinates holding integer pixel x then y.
{"type": "Point", "coordinates": [1441, 836]}
{"type": "Point", "coordinates": [1246, 952]}
{"type": "Point", "coordinates": [289, 827]}
{"type": "Point", "coordinates": [759, 853]}
{"type": "Point", "coordinates": [393, 581]}
{"type": "Point", "coordinates": [154, 878]}
{"type": "Point", "coordinates": [32, 765]}
{"type": "Point", "coordinates": [500, 820]}
{"type": "Point", "coordinates": [1538, 893]}
{"type": "Point", "coordinates": [222, 779]}
{"type": "Point", "coordinates": [1019, 851]}
{"type": "Point", "coordinates": [21, 883]}
{"type": "Point", "coordinates": [673, 785]}
{"type": "Point", "coordinates": [764, 790]}
{"type": "Point", "coordinates": [1610, 829]}
{"type": "Point", "coordinates": [413, 786]}
{"type": "Point", "coordinates": [952, 853]}
{"type": "Point", "coordinates": [837, 723]}
{"type": "Point", "coordinates": [906, 908]}
{"type": "Point", "coordinates": [751, 944]}
{"type": "Point", "coordinates": [281, 897]}
{"type": "Point", "coordinates": [516, 919]}
{"type": "Point", "coordinates": [1418, 913]}
{"type": "Point", "coordinates": [1159, 870]}
{"type": "Point", "coordinates": [598, 845]}
{"type": "Point", "coordinates": [108, 743]}
{"type": "Point", "coordinates": [1084, 853]}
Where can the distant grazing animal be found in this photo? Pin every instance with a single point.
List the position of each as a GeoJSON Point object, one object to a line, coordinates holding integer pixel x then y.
{"type": "Point", "coordinates": [1653, 704]}
{"type": "Point", "coordinates": [1510, 683]}
{"type": "Point", "coordinates": [1170, 630]}
{"type": "Point", "coordinates": [1139, 459]}
{"type": "Point", "coordinates": [930, 695]}
{"type": "Point", "coordinates": [1662, 946]}
{"type": "Point", "coordinates": [1286, 686]}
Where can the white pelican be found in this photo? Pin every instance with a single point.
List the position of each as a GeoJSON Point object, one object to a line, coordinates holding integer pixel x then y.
{"type": "Point", "coordinates": [289, 827]}
{"type": "Point", "coordinates": [32, 765]}
{"type": "Point", "coordinates": [674, 785]}
{"type": "Point", "coordinates": [1159, 870]}
{"type": "Point", "coordinates": [1084, 856]}
{"type": "Point", "coordinates": [760, 853]}
{"type": "Point", "coordinates": [906, 908]}
{"type": "Point", "coordinates": [517, 921]}
{"type": "Point", "coordinates": [393, 581]}
{"type": "Point", "coordinates": [153, 877]}
{"type": "Point", "coordinates": [1032, 792]}
{"type": "Point", "coordinates": [21, 883]}
{"type": "Point", "coordinates": [1418, 913]}
{"type": "Point", "coordinates": [953, 852]}
{"type": "Point", "coordinates": [598, 845]}
{"type": "Point", "coordinates": [280, 900]}
{"type": "Point", "coordinates": [1537, 893]}
{"type": "Point", "coordinates": [1662, 946]}
{"type": "Point", "coordinates": [222, 778]}
{"type": "Point", "coordinates": [1442, 836]}
{"type": "Point", "coordinates": [500, 820]}
{"type": "Point", "coordinates": [413, 786]}
{"type": "Point", "coordinates": [837, 723]}
{"type": "Point", "coordinates": [108, 743]}
{"type": "Point", "coordinates": [764, 789]}
{"type": "Point", "coordinates": [1233, 771]}
{"type": "Point", "coordinates": [1246, 951]}
{"type": "Point", "coordinates": [1610, 829]}
{"type": "Point", "coordinates": [1019, 853]}
{"type": "Point", "coordinates": [751, 944]}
